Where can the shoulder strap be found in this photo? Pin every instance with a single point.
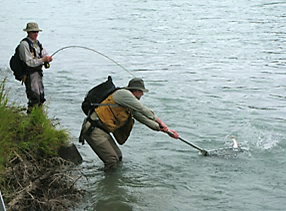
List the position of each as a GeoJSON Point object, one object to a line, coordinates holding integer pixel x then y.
{"type": "Point", "coordinates": [41, 47]}
{"type": "Point", "coordinates": [31, 45]}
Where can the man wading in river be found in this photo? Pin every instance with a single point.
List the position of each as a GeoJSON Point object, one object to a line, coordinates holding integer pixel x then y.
{"type": "Point", "coordinates": [116, 116]}
{"type": "Point", "coordinates": [34, 61]}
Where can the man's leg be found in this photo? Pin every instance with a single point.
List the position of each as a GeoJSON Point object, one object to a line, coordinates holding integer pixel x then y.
{"type": "Point", "coordinates": [34, 90]}
{"type": "Point", "coordinates": [104, 146]}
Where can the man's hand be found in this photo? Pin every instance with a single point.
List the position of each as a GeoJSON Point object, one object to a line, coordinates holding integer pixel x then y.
{"type": "Point", "coordinates": [165, 129]}
{"type": "Point", "coordinates": [162, 125]}
{"type": "Point", "coordinates": [47, 59]}
{"type": "Point", "coordinates": [173, 134]}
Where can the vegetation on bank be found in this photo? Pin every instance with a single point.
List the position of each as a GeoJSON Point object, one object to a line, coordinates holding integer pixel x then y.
{"type": "Point", "coordinates": [32, 176]}
{"type": "Point", "coordinates": [34, 133]}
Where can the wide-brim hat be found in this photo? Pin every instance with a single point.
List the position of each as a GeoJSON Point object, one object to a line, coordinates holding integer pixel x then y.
{"type": "Point", "coordinates": [136, 84]}
{"type": "Point", "coordinates": [32, 27]}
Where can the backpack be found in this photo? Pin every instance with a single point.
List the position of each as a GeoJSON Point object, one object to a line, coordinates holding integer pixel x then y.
{"type": "Point", "coordinates": [97, 94]}
{"type": "Point", "coordinates": [17, 65]}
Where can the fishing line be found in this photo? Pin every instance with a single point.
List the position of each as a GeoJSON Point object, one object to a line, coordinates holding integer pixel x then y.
{"type": "Point", "coordinates": [90, 49]}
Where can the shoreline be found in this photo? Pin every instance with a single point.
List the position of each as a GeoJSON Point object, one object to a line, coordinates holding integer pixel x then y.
{"type": "Point", "coordinates": [38, 160]}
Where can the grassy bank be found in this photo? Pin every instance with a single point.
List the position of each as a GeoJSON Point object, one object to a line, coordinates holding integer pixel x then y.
{"type": "Point", "coordinates": [31, 173]}
{"type": "Point", "coordinates": [19, 132]}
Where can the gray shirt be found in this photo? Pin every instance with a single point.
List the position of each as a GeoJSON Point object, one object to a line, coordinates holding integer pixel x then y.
{"type": "Point", "coordinates": [28, 57]}
{"type": "Point", "coordinates": [140, 112]}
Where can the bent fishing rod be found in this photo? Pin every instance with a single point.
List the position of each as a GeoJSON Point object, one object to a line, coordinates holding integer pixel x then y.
{"type": "Point", "coordinates": [90, 49]}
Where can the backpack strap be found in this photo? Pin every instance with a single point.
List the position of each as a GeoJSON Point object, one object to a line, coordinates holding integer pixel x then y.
{"type": "Point", "coordinates": [41, 47]}
{"type": "Point", "coordinates": [32, 49]}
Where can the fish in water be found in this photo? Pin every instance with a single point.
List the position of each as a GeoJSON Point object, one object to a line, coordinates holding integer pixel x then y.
{"type": "Point", "coordinates": [227, 152]}
{"type": "Point", "coordinates": [235, 146]}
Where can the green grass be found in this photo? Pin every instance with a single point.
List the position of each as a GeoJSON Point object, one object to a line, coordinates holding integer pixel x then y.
{"type": "Point", "coordinates": [20, 132]}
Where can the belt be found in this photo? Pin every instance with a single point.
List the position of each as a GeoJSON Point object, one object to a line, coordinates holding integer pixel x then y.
{"type": "Point", "coordinates": [93, 124]}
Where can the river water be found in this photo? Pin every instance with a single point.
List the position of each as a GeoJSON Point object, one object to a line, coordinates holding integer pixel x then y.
{"type": "Point", "coordinates": [215, 70]}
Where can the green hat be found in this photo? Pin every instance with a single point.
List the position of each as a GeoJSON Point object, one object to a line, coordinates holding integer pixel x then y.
{"type": "Point", "coordinates": [32, 27]}
{"type": "Point", "coordinates": [137, 84]}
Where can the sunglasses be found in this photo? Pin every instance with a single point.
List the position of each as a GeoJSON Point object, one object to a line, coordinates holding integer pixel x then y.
{"type": "Point", "coordinates": [34, 31]}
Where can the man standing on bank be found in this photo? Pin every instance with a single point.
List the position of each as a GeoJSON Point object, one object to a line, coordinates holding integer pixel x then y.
{"type": "Point", "coordinates": [115, 116]}
{"type": "Point", "coordinates": [34, 56]}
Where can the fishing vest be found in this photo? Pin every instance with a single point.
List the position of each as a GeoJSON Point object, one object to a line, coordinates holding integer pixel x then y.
{"type": "Point", "coordinates": [115, 118]}
{"type": "Point", "coordinates": [35, 55]}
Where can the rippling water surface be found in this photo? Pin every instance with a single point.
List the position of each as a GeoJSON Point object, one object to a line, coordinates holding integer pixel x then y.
{"type": "Point", "coordinates": [215, 70]}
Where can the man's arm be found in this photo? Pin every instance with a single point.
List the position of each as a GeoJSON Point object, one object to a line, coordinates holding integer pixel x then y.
{"type": "Point", "coordinates": [125, 98]}
{"type": "Point", "coordinates": [152, 124]}
{"type": "Point", "coordinates": [142, 113]}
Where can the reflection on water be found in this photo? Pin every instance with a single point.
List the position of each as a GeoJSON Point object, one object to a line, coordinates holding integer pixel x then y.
{"type": "Point", "coordinates": [109, 192]}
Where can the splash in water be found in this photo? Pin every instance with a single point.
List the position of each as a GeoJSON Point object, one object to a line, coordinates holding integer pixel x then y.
{"type": "Point", "coordinates": [227, 152]}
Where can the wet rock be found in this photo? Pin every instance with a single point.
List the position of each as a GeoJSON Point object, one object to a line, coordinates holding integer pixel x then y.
{"type": "Point", "coordinates": [70, 153]}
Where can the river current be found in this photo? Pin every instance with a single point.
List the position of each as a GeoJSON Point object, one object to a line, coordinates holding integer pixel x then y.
{"type": "Point", "coordinates": [215, 70]}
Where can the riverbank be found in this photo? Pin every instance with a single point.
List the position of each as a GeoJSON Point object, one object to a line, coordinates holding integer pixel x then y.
{"type": "Point", "coordinates": [32, 174]}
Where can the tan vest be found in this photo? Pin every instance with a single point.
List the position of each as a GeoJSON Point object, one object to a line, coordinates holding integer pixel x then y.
{"type": "Point", "coordinates": [116, 119]}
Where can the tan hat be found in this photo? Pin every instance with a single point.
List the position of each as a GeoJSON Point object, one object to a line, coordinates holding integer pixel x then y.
{"type": "Point", "coordinates": [137, 84]}
{"type": "Point", "coordinates": [32, 27]}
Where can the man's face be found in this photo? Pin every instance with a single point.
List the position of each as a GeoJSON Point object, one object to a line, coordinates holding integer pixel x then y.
{"type": "Point", "coordinates": [138, 94]}
{"type": "Point", "coordinates": [33, 35]}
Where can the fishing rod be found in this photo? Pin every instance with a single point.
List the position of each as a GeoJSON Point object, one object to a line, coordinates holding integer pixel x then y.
{"type": "Point", "coordinates": [90, 49]}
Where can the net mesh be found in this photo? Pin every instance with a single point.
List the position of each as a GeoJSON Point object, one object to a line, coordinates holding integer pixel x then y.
{"type": "Point", "coordinates": [227, 152]}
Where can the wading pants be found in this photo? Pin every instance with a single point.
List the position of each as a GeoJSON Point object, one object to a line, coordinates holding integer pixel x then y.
{"type": "Point", "coordinates": [35, 89]}
{"type": "Point", "coordinates": [103, 145]}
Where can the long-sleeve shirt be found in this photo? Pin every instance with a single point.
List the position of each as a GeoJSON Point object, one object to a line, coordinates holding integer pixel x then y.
{"type": "Point", "coordinates": [27, 56]}
{"type": "Point", "coordinates": [140, 112]}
